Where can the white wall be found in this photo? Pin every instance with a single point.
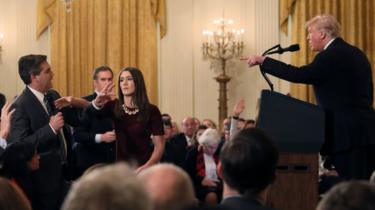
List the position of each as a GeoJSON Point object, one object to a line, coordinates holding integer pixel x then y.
{"type": "Point", "coordinates": [187, 87]}
{"type": "Point", "coordinates": [18, 23]}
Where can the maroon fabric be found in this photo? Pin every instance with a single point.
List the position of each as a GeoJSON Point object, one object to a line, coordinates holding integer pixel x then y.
{"type": "Point", "coordinates": [134, 138]}
{"type": "Point", "coordinates": [201, 170]}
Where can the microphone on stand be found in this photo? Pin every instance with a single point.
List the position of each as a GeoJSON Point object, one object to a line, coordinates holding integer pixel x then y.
{"type": "Point", "coordinates": [279, 50]}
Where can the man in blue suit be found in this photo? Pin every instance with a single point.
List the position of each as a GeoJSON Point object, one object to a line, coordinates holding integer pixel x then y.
{"type": "Point", "coordinates": [342, 80]}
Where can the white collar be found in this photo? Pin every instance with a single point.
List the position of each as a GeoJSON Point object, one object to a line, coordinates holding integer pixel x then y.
{"type": "Point", "coordinates": [39, 95]}
{"type": "Point", "coordinates": [329, 43]}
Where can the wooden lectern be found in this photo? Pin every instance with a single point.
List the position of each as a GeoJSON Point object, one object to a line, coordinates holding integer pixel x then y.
{"type": "Point", "coordinates": [297, 129]}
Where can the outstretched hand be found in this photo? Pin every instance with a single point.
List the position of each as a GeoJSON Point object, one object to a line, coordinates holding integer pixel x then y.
{"type": "Point", "coordinates": [6, 117]}
{"type": "Point", "coordinates": [253, 60]}
{"type": "Point", "coordinates": [63, 102]}
{"type": "Point", "coordinates": [105, 95]}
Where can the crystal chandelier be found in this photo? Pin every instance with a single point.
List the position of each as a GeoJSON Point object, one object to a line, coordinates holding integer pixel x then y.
{"type": "Point", "coordinates": [224, 43]}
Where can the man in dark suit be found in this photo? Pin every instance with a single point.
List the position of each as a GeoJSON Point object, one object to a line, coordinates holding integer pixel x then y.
{"type": "Point", "coordinates": [341, 76]}
{"type": "Point", "coordinates": [247, 166]}
{"type": "Point", "coordinates": [38, 122]}
{"type": "Point", "coordinates": [95, 135]}
{"type": "Point", "coordinates": [177, 147]}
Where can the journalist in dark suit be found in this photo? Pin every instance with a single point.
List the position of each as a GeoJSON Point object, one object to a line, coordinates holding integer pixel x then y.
{"type": "Point", "coordinates": [342, 80]}
{"type": "Point", "coordinates": [37, 122]}
{"type": "Point", "coordinates": [95, 136]}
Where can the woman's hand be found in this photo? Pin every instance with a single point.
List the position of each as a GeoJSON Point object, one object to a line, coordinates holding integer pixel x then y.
{"type": "Point", "coordinates": [105, 95]}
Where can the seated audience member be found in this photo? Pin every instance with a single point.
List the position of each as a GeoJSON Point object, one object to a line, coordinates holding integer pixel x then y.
{"type": "Point", "coordinates": [167, 125]}
{"type": "Point", "coordinates": [112, 187]}
{"type": "Point", "coordinates": [20, 160]}
{"type": "Point", "coordinates": [168, 186]}
{"type": "Point", "coordinates": [247, 166]}
{"type": "Point", "coordinates": [201, 166]}
{"type": "Point", "coordinates": [180, 144]}
{"type": "Point", "coordinates": [350, 195]}
{"type": "Point", "coordinates": [226, 129]}
{"type": "Point", "coordinates": [11, 198]}
{"type": "Point", "coordinates": [197, 122]}
{"type": "Point", "coordinates": [209, 123]}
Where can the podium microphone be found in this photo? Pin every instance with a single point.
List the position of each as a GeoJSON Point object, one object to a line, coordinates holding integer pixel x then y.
{"type": "Point", "coordinates": [280, 50]}
{"type": "Point", "coordinates": [277, 49]}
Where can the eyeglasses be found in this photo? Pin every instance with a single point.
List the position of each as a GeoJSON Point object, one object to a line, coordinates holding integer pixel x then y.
{"type": "Point", "coordinates": [128, 79]}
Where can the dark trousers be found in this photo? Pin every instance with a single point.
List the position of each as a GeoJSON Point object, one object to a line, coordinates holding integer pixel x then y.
{"type": "Point", "coordinates": [357, 163]}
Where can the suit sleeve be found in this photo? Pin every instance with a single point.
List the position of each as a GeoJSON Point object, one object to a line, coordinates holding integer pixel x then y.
{"type": "Point", "coordinates": [313, 73]}
{"type": "Point", "coordinates": [81, 133]}
{"type": "Point", "coordinates": [21, 130]}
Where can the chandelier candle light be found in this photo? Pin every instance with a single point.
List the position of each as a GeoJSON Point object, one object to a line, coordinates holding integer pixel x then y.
{"type": "Point", "coordinates": [222, 45]}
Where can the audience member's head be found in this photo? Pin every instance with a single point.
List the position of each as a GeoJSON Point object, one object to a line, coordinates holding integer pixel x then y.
{"type": "Point", "coordinates": [209, 123]}
{"type": "Point", "coordinates": [197, 122]}
{"type": "Point", "coordinates": [18, 159]}
{"type": "Point", "coordinates": [167, 125]}
{"type": "Point", "coordinates": [169, 187]}
{"type": "Point", "coordinates": [94, 167]}
{"type": "Point", "coordinates": [101, 77]}
{"type": "Point", "coordinates": [200, 131]}
{"type": "Point", "coordinates": [226, 128]}
{"type": "Point", "coordinates": [210, 140]}
{"type": "Point", "coordinates": [351, 195]}
{"type": "Point", "coordinates": [112, 187]}
{"type": "Point", "coordinates": [250, 123]}
{"type": "Point", "coordinates": [11, 197]}
{"type": "Point", "coordinates": [166, 116]}
{"type": "Point", "coordinates": [241, 123]}
{"type": "Point", "coordinates": [188, 126]}
{"type": "Point", "coordinates": [248, 162]}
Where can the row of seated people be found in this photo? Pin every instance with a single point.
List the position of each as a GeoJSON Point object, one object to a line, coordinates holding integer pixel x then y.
{"type": "Point", "coordinates": [247, 166]}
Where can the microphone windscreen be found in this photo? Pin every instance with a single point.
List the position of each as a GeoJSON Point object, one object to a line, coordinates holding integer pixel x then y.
{"type": "Point", "coordinates": [293, 47]}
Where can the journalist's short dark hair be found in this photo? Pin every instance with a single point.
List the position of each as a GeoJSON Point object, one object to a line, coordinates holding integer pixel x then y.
{"type": "Point", "coordinates": [101, 69]}
{"type": "Point", "coordinates": [30, 65]}
{"type": "Point", "coordinates": [249, 161]}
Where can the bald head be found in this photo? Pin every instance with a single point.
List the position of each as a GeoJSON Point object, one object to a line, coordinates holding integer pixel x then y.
{"type": "Point", "coordinates": [188, 126]}
{"type": "Point", "coordinates": [168, 186]}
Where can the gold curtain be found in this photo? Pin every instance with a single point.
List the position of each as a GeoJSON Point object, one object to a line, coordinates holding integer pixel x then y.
{"type": "Point", "coordinates": [355, 16]}
{"type": "Point", "coordinates": [117, 33]}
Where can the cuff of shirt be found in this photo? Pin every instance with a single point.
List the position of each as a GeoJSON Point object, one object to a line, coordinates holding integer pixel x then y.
{"type": "Point", "coordinates": [52, 129]}
{"type": "Point", "coordinates": [98, 138]}
{"type": "Point", "coordinates": [96, 107]}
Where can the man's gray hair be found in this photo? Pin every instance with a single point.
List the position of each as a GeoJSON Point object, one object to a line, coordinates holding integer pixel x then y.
{"type": "Point", "coordinates": [326, 23]}
{"type": "Point", "coordinates": [351, 195]}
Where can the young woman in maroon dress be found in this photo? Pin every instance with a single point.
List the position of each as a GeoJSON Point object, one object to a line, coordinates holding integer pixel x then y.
{"type": "Point", "coordinates": [137, 123]}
